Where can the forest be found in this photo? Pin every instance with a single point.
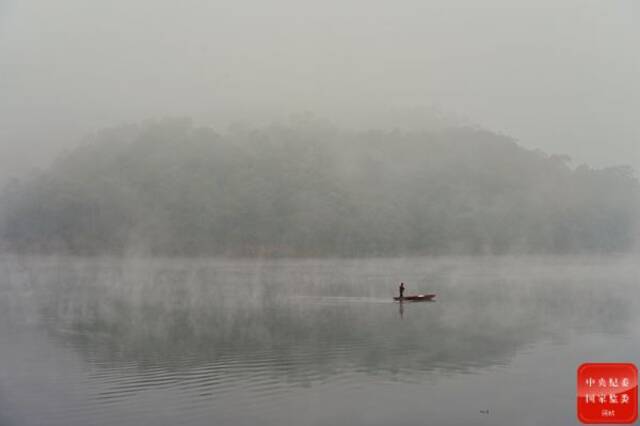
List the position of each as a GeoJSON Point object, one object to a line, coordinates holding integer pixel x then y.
{"type": "Point", "coordinates": [306, 188]}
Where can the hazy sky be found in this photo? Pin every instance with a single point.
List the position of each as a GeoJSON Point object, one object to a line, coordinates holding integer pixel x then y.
{"type": "Point", "coordinates": [561, 75]}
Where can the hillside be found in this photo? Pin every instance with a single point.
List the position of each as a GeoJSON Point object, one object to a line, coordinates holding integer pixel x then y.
{"type": "Point", "coordinates": [307, 189]}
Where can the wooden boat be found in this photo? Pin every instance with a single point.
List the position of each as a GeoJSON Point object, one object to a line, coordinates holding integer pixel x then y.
{"type": "Point", "coordinates": [416, 298]}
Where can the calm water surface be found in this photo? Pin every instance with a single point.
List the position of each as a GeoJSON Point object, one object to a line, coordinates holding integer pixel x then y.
{"type": "Point", "coordinates": [307, 342]}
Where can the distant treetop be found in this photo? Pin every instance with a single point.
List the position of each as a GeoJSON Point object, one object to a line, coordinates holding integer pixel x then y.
{"type": "Point", "coordinates": [308, 189]}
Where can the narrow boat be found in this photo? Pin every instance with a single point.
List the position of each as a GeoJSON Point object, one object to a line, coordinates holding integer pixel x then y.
{"type": "Point", "coordinates": [416, 298]}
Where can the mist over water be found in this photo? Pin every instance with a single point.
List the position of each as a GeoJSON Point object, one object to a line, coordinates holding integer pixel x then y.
{"type": "Point", "coordinates": [170, 341]}
{"type": "Point", "coordinates": [206, 208]}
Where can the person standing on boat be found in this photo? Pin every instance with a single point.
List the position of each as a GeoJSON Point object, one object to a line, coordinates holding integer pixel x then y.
{"type": "Point", "coordinates": [401, 288]}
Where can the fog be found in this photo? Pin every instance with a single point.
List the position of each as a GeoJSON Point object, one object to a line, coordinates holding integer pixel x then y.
{"type": "Point", "coordinates": [207, 207]}
{"type": "Point", "coordinates": [555, 75]}
{"type": "Point", "coordinates": [309, 189]}
{"type": "Point", "coordinates": [286, 341]}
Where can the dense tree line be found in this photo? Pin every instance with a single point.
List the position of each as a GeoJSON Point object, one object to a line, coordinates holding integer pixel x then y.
{"type": "Point", "coordinates": [306, 188]}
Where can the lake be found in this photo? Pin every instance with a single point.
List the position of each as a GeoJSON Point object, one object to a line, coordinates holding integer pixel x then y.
{"type": "Point", "coordinates": [103, 341]}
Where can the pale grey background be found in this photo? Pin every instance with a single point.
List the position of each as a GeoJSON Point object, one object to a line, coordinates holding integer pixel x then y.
{"type": "Point", "coordinates": [560, 75]}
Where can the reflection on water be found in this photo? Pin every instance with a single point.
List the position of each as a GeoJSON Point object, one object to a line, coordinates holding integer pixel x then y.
{"type": "Point", "coordinates": [275, 338]}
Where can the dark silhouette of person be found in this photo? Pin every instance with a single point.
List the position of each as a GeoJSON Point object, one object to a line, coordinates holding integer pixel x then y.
{"type": "Point", "coordinates": [401, 290]}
